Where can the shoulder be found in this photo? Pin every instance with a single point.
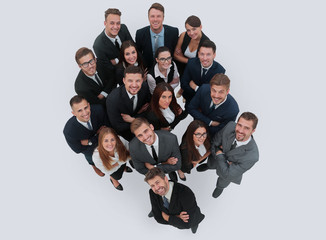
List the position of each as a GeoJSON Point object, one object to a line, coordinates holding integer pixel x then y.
{"type": "Point", "coordinates": [70, 124]}
{"type": "Point", "coordinates": [142, 30]}
{"type": "Point", "coordinates": [183, 190]}
{"type": "Point", "coordinates": [99, 38]}
{"type": "Point", "coordinates": [162, 134]}
{"type": "Point", "coordinates": [232, 102]}
{"type": "Point", "coordinates": [193, 61]}
{"type": "Point", "coordinates": [170, 28]}
{"type": "Point", "coordinates": [116, 92]}
{"type": "Point", "coordinates": [219, 68]}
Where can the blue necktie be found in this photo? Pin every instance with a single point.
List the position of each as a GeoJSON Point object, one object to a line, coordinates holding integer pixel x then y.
{"type": "Point", "coordinates": [89, 126]}
{"type": "Point", "coordinates": [165, 202]}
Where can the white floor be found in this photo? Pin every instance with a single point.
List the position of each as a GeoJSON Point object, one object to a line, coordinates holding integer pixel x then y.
{"type": "Point", "coordinates": [274, 53]}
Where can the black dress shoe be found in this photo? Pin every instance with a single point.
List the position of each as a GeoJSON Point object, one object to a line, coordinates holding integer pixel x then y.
{"type": "Point", "coordinates": [202, 168]}
{"type": "Point", "coordinates": [217, 192]}
{"type": "Point", "coordinates": [119, 187]}
{"type": "Point", "coordinates": [194, 228]}
{"type": "Point", "coordinates": [151, 214]}
{"type": "Point", "coordinates": [128, 169]}
{"type": "Point", "coordinates": [184, 178]}
{"type": "Point", "coordinates": [173, 176]}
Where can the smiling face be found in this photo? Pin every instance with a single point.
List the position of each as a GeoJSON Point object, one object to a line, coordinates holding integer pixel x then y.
{"type": "Point", "coordinates": [145, 133]}
{"type": "Point", "coordinates": [218, 93]}
{"type": "Point", "coordinates": [112, 25]}
{"type": "Point", "coordinates": [130, 55]}
{"type": "Point", "coordinates": [193, 32]}
{"type": "Point", "coordinates": [164, 60]}
{"type": "Point", "coordinates": [156, 18]}
{"type": "Point", "coordinates": [82, 111]}
{"type": "Point", "coordinates": [158, 185]}
{"type": "Point", "coordinates": [109, 142]}
{"type": "Point", "coordinates": [165, 100]}
{"type": "Point", "coordinates": [133, 82]}
{"type": "Point", "coordinates": [206, 56]}
{"type": "Point", "coordinates": [244, 129]}
{"type": "Point", "coordinates": [90, 70]}
{"type": "Point", "coordinates": [200, 136]}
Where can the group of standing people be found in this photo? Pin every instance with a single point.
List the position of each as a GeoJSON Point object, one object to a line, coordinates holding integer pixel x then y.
{"type": "Point", "coordinates": [126, 108]}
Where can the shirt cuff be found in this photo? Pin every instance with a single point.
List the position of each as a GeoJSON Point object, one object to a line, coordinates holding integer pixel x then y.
{"type": "Point", "coordinates": [210, 123]}
{"type": "Point", "coordinates": [196, 88]}
{"type": "Point", "coordinates": [116, 60]}
{"type": "Point", "coordinates": [104, 94]}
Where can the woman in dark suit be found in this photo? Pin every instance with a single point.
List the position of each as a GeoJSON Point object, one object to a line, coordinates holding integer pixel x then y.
{"type": "Point", "coordinates": [129, 55]}
{"type": "Point", "coordinates": [164, 113]}
{"type": "Point", "coordinates": [194, 148]}
{"type": "Point", "coordinates": [112, 155]}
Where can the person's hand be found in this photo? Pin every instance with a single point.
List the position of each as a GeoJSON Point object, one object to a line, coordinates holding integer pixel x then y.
{"type": "Point", "coordinates": [84, 142]}
{"type": "Point", "coordinates": [172, 161]}
{"type": "Point", "coordinates": [113, 62]}
{"type": "Point", "coordinates": [127, 118]}
{"type": "Point", "coordinates": [215, 123]}
{"type": "Point", "coordinates": [115, 165]}
{"type": "Point", "coordinates": [194, 163]}
{"type": "Point", "coordinates": [148, 165]}
{"type": "Point", "coordinates": [219, 152]}
{"type": "Point", "coordinates": [100, 96]}
{"type": "Point", "coordinates": [193, 85]}
{"type": "Point", "coordinates": [145, 74]}
{"type": "Point", "coordinates": [179, 111]}
{"type": "Point", "coordinates": [165, 216]}
{"type": "Point", "coordinates": [166, 128]}
{"type": "Point", "coordinates": [143, 108]}
{"type": "Point", "coordinates": [183, 216]}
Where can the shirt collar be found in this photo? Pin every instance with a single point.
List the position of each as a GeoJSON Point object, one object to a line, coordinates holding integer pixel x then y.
{"type": "Point", "coordinates": [242, 143]}
{"type": "Point", "coordinates": [161, 34]}
{"type": "Point", "coordinates": [169, 193]}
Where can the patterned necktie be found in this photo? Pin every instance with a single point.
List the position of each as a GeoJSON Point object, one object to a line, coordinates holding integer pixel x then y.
{"type": "Point", "coordinates": [165, 202]}
{"type": "Point", "coordinates": [154, 154]}
{"type": "Point", "coordinates": [89, 126]}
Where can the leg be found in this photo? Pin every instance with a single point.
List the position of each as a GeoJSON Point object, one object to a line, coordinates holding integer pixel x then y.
{"type": "Point", "coordinates": [220, 185]}
{"type": "Point", "coordinates": [98, 171]}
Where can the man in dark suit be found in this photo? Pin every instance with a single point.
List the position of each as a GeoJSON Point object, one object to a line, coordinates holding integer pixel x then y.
{"type": "Point", "coordinates": [234, 151]}
{"type": "Point", "coordinates": [89, 83]}
{"type": "Point", "coordinates": [213, 104]}
{"type": "Point", "coordinates": [128, 101]}
{"type": "Point", "coordinates": [150, 38]}
{"type": "Point", "coordinates": [200, 70]}
{"type": "Point", "coordinates": [81, 130]}
{"type": "Point", "coordinates": [172, 203]}
{"type": "Point", "coordinates": [107, 44]}
{"type": "Point", "coordinates": [154, 148]}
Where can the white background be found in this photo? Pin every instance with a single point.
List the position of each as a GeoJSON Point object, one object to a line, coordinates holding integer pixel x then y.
{"type": "Point", "coordinates": [274, 53]}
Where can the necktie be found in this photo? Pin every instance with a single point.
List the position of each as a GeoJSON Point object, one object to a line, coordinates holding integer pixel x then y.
{"type": "Point", "coordinates": [212, 108]}
{"type": "Point", "coordinates": [89, 126]}
{"type": "Point", "coordinates": [155, 44]}
{"type": "Point", "coordinates": [204, 72]}
{"type": "Point", "coordinates": [117, 44]}
{"type": "Point", "coordinates": [133, 103]}
{"type": "Point", "coordinates": [233, 146]}
{"type": "Point", "coordinates": [165, 202]}
{"type": "Point", "coordinates": [154, 153]}
{"type": "Point", "coordinates": [99, 82]}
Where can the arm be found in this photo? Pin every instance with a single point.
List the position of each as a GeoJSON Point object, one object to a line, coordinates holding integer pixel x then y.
{"type": "Point", "coordinates": [156, 207]}
{"type": "Point", "coordinates": [178, 55]}
{"type": "Point", "coordinates": [194, 106]}
{"type": "Point", "coordinates": [189, 207]}
{"type": "Point", "coordinates": [137, 157]}
{"type": "Point", "coordinates": [175, 152]}
{"type": "Point", "coordinates": [185, 80]}
{"type": "Point", "coordinates": [151, 83]}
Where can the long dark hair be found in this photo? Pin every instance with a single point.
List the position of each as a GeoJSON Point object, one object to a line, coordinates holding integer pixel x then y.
{"type": "Point", "coordinates": [104, 154]}
{"type": "Point", "coordinates": [154, 104]}
{"type": "Point", "coordinates": [124, 46]}
{"type": "Point", "coordinates": [193, 154]}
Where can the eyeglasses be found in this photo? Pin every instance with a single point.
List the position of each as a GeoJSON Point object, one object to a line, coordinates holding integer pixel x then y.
{"type": "Point", "coordinates": [199, 135]}
{"type": "Point", "coordinates": [162, 60]}
{"type": "Point", "coordinates": [86, 64]}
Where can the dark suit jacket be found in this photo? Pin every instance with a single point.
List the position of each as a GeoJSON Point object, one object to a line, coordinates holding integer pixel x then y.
{"type": "Point", "coordinates": [242, 158]}
{"type": "Point", "coordinates": [182, 199]}
{"type": "Point", "coordinates": [199, 108]}
{"type": "Point", "coordinates": [105, 50]}
{"type": "Point", "coordinates": [193, 72]}
{"type": "Point", "coordinates": [74, 132]}
{"type": "Point", "coordinates": [168, 147]}
{"type": "Point", "coordinates": [144, 43]}
{"type": "Point", "coordinates": [158, 124]}
{"type": "Point", "coordinates": [119, 102]}
{"type": "Point", "coordinates": [88, 88]}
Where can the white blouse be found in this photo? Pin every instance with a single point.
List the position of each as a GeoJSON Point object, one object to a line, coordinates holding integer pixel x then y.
{"type": "Point", "coordinates": [189, 54]}
{"type": "Point", "coordinates": [168, 114]}
{"type": "Point", "coordinates": [201, 149]}
{"type": "Point", "coordinates": [99, 164]}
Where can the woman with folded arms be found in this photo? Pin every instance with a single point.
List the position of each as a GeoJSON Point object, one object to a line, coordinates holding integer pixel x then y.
{"type": "Point", "coordinates": [164, 113]}
{"type": "Point", "coordinates": [194, 148]}
{"type": "Point", "coordinates": [112, 155]}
